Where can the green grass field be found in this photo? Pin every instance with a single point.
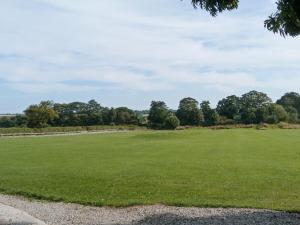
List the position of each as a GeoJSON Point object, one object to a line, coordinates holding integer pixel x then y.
{"type": "Point", "coordinates": [199, 167]}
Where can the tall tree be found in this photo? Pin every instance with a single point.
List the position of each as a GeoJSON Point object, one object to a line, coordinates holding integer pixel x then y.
{"type": "Point", "coordinates": [40, 115]}
{"type": "Point", "coordinates": [254, 106]}
{"type": "Point", "coordinates": [189, 112]}
{"type": "Point", "coordinates": [229, 107]}
{"type": "Point", "coordinates": [291, 99]}
{"type": "Point", "coordinates": [160, 117]}
{"type": "Point", "coordinates": [277, 114]}
{"type": "Point", "coordinates": [125, 116]}
{"type": "Point", "coordinates": [255, 99]}
{"type": "Point", "coordinates": [94, 113]}
{"type": "Point", "coordinates": [157, 114]}
{"type": "Point", "coordinates": [211, 116]}
{"type": "Point", "coordinates": [293, 116]}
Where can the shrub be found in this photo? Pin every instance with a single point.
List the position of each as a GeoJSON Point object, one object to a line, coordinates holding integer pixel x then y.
{"type": "Point", "coordinates": [171, 122]}
{"type": "Point", "coordinates": [283, 125]}
{"type": "Point", "coordinates": [261, 126]}
{"type": "Point", "coordinates": [225, 121]}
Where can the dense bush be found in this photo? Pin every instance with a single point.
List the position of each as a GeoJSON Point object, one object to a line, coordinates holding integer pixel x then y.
{"type": "Point", "coordinates": [13, 121]}
{"type": "Point", "coordinates": [171, 122]}
{"type": "Point", "coordinates": [40, 115]}
{"type": "Point", "coordinates": [160, 117]}
{"type": "Point", "coordinates": [229, 107]}
{"type": "Point", "coordinates": [277, 114]}
{"type": "Point", "coordinates": [211, 116]}
{"type": "Point", "coordinates": [189, 112]}
{"type": "Point", "coordinates": [7, 121]}
{"type": "Point", "coordinates": [123, 115]}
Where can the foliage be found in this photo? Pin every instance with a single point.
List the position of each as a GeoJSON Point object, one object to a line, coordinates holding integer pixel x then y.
{"type": "Point", "coordinates": [290, 99]}
{"type": "Point", "coordinates": [142, 119]}
{"type": "Point", "coordinates": [40, 115]}
{"type": "Point", "coordinates": [157, 114]}
{"type": "Point", "coordinates": [215, 6]}
{"type": "Point", "coordinates": [125, 116]}
{"type": "Point", "coordinates": [285, 21]}
{"type": "Point", "coordinates": [277, 114]}
{"type": "Point", "coordinates": [251, 108]}
{"type": "Point", "coordinates": [160, 117]}
{"type": "Point", "coordinates": [254, 99]}
{"type": "Point", "coordinates": [293, 116]}
{"type": "Point", "coordinates": [7, 122]}
{"type": "Point", "coordinates": [291, 103]}
{"type": "Point", "coordinates": [189, 113]}
{"type": "Point", "coordinates": [254, 106]}
{"type": "Point", "coordinates": [13, 121]}
{"type": "Point", "coordinates": [92, 113]}
{"type": "Point", "coordinates": [171, 122]}
{"type": "Point", "coordinates": [229, 106]}
{"type": "Point", "coordinates": [211, 116]}
{"type": "Point", "coordinates": [78, 114]}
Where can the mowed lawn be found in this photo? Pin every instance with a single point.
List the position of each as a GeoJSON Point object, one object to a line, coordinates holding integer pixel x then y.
{"type": "Point", "coordinates": [199, 167]}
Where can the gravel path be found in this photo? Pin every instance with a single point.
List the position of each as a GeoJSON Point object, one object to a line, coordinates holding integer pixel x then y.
{"type": "Point", "coordinates": [73, 214]}
{"type": "Point", "coordinates": [12, 216]}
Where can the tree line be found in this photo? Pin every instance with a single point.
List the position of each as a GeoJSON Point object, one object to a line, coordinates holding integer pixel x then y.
{"type": "Point", "coordinates": [251, 108]}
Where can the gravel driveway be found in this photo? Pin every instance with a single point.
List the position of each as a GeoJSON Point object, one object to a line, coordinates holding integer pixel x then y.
{"type": "Point", "coordinates": [73, 214]}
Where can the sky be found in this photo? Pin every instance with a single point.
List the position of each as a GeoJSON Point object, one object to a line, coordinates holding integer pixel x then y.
{"type": "Point", "coordinates": [130, 52]}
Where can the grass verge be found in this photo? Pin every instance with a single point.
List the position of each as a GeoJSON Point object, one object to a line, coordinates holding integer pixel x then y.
{"type": "Point", "coordinates": [198, 167]}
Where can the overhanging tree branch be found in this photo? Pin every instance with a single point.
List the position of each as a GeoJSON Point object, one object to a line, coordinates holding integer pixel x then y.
{"type": "Point", "coordinates": [286, 21]}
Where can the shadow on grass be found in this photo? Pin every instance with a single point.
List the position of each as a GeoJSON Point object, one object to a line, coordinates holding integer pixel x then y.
{"type": "Point", "coordinates": [254, 218]}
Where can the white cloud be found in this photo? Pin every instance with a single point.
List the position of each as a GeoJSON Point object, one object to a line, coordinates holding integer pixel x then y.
{"type": "Point", "coordinates": [124, 45]}
{"type": "Point", "coordinates": [38, 88]}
